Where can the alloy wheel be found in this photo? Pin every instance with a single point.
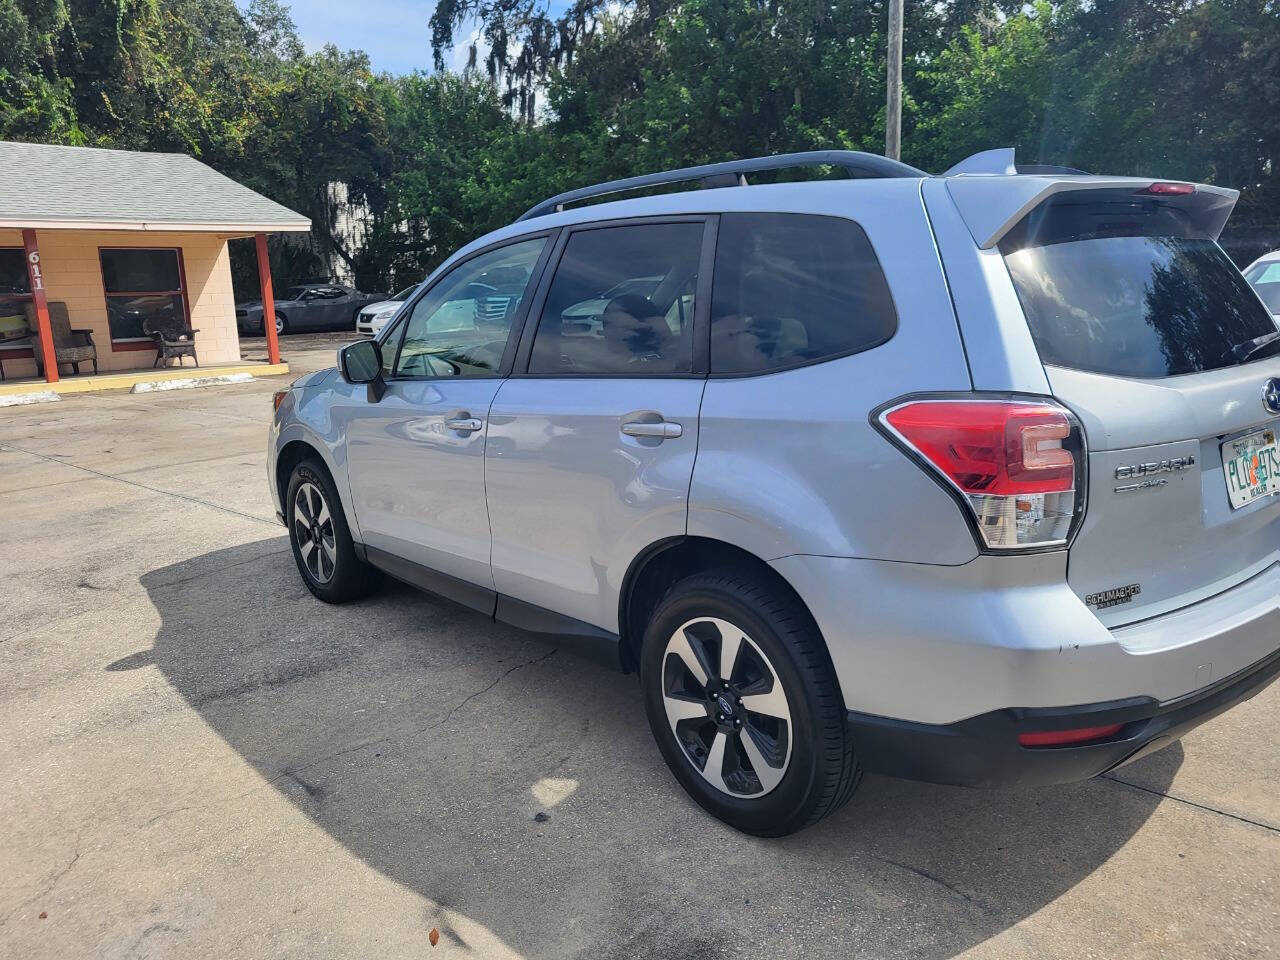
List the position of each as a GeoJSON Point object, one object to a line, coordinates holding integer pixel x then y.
{"type": "Point", "coordinates": [313, 530]}
{"type": "Point", "coordinates": [726, 706]}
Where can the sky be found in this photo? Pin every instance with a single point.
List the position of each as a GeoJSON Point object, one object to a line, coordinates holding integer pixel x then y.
{"type": "Point", "coordinates": [394, 33]}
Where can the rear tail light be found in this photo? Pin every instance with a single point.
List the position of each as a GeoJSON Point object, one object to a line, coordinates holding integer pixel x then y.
{"type": "Point", "coordinates": [1017, 465]}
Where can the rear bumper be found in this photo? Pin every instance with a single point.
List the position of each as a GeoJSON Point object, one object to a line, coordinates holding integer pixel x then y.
{"type": "Point", "coordinates": [940, 645]}
{"type": "Point", "coordinates": [983, 751]}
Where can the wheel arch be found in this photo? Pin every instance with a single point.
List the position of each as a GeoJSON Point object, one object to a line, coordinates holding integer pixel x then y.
{"type": "Point", "coordinates": [290, 455]}
{"type": "Point", "coordinates": [660, 565]}
{"type": "Point", "coordinates": [300, 446]}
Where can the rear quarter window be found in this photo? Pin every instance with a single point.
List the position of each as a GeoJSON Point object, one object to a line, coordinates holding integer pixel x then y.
{"type": "Point", "coordinates": [1127, 288]}
{"type": "Point", "coordinates": [793, 289]}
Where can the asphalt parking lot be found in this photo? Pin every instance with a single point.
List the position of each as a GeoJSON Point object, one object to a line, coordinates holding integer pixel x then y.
{"type": "Point", "coordinates": [200, 760]}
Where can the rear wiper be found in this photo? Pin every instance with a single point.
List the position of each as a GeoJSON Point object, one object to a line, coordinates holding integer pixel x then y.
{"type": "Point", "coordinates": [1250, 349]}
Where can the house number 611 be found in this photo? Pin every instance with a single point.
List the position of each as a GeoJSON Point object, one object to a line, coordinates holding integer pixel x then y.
{"type": "Point", "coordinates": [34, 259]}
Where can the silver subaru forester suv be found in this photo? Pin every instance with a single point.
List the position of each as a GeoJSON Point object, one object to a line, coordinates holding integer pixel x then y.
{"type": "Point", "coordinates": [963, 478]}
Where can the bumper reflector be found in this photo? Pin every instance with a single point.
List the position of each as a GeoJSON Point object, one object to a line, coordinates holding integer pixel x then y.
{"type": "Point", "coordinates": [1063, 738]}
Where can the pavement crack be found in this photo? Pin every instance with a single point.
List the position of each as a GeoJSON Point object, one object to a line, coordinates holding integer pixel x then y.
{"type": "Point", "coordinates": [292, 773]}
{"type": "Point", "coordinates": [1191, 803]}
{"type": "Point", "coordinates": [141, 486]}
{"type": "Point", "coordinates": [925, 874]}
{"type": "Point", "coordinates": [417, 731]}
{"type": "Point", "coordinates": [46, 889]}
{"type": "Point", "coordinates": [483, 691]}
{"type": "Point", "coordinates": [219, 569]}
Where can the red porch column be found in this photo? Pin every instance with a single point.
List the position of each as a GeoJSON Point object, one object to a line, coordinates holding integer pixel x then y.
{"type": "Point", "coordinates": [49, 357]}
{"type": "Point", "coordinates": [268, 299]}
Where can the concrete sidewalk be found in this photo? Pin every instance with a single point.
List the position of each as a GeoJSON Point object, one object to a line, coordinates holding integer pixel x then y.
{"type": "Point", "coordinates": [204, 761]}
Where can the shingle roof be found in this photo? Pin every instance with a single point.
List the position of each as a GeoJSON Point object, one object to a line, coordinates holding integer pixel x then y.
{"type": "Point", "coordinates": [54, 186]}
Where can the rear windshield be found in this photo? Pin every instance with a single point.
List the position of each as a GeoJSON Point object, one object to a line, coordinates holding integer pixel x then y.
{"type": "Point", "coordinates": [1127, 288]}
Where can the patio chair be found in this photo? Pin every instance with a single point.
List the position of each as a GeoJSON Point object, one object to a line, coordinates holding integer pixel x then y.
{"type": "Point", "coordinates": [173, 338]}
{"type": "Point", "coordinates": [71, 346]}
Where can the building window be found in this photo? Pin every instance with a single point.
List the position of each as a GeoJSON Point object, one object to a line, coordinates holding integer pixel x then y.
{"type": "Point", "coordinates": [15, 294]}
{"type": "Point", "coordinates": [142, 285]}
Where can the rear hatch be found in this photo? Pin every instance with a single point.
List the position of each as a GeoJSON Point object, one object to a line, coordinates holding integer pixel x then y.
{"type": "Point", "coordinates": [1152, 337]}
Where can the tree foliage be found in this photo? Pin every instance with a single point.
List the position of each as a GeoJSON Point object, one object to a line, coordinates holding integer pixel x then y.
{"type": "Point", "coordinates": [1175, 88]}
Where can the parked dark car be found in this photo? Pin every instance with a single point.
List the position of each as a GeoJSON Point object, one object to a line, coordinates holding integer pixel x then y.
{"type": "Point", "coordinates": [308, 306]}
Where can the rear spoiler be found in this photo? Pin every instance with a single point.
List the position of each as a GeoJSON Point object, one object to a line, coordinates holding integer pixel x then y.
{"type": "Point", "coordinates": [992, 203]}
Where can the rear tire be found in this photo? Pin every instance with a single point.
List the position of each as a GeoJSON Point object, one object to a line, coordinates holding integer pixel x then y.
{"type": "Point", "coordinates": [321, 541]}
{"type": "Point", "coordinates": [793, 726]}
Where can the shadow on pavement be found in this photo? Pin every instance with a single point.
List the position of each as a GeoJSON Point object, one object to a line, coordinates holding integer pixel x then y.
{"type": "Point", "coordinates": [517, 787]}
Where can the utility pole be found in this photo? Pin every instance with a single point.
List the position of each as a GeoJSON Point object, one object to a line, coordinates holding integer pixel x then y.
{"type": "Point", "coordinates": [893, 111]}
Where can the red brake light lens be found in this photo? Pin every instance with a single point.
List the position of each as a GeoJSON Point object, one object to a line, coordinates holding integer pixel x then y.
{"type": "Point", "coordinates": [277, 398]}
{"type": "Point", "coordinates": [1065, 738]}
{"type": "Point", "coordinates": [1170, 189]}
{"type": "Point", "coordinates": [1010, 459]}
{"type": "Point", "coordinates": [991, 447]}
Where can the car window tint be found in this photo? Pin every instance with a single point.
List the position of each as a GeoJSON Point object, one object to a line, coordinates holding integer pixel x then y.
{"type": "Point", "coordinates": [460, 327]}
{"type": "Point", "coordinates": [621, 302]}
{"type": "Point", "coordinates": [791, 289]}
{"type": "Point", "coordinates": [1125, 287]}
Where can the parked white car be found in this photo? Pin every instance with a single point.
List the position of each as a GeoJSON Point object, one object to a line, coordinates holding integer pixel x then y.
{"type": "Point", "coordinates": [371, 319]}
{"type": "Point", "coordinates": [1264, 276]}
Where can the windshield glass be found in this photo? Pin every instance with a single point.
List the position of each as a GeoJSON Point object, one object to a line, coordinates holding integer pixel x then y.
{"type": "Point", "coordinates": [294, 293]}
{"type": "Point", "coordinates": [1144, 303]}
{"type": "Point", "coordinates": [403, 294]}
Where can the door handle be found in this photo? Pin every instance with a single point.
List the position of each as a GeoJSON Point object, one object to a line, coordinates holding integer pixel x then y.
{"type": "Point", "coordinates": [464, 424]}
{"type": "Point", "coordinates": [663, 430]}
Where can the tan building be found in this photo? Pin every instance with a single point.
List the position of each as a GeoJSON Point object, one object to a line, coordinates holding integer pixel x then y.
{"type": "Point", "coordinates": [126, 249]}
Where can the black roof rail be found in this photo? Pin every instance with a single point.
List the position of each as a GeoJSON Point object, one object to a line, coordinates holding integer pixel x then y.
{"type": "Point", "coordinates": [733, 173]}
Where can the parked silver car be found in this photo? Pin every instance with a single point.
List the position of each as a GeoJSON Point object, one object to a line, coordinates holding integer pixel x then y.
{"type": "Point", "coordinates": [1264, 276]}
{"type": "Point", "coordinates": [966, 478]}
{"type": "Point", "coordinates": [308, 306]}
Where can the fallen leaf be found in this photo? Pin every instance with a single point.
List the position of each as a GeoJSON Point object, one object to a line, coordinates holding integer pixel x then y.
{"type": "Point", "coordinates": [541, 817]}
{"type": "Point", "coordinates": [434, 936]}
{"type": "Point", "coordinates": [44, 915]}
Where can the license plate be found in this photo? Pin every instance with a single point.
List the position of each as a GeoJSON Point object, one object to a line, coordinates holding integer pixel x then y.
{"type": "Point", "coordinates": [1251, 466]}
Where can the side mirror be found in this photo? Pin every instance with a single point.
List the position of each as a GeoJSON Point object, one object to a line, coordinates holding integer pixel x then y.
{"type": "Point", "coordinates": [361, 362]}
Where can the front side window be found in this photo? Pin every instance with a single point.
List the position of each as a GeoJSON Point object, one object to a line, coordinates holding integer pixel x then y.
{"type": "Point", "coordinates": [621, 303]}
{"type": "Point", "coordinates": [15, 294]}
{"type": "Point", "coordinates": [388, 343]}
{"type": "Point", "coordinates": [1125, 287]}
{"type": "Point", "coordinates": [792, 289]}
{"type": "Point", "coordinates": [461, 326]}
{"type": "Point", "coordinates": [144, 291]}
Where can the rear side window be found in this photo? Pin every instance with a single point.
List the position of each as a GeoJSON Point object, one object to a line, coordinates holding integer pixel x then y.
{"type": "Point", "coordinates": [792, 289]}
{"type": "Point", "coordinates": [1127, 288]}
{"type": "Point", "coordinates": [621, 302]}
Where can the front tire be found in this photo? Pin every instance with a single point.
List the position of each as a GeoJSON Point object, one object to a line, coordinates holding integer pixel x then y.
{"type": "Point", "coordinates": [321, 541]}
{"type": "Point", "coordinates": [282, 324]}
{"type": "Point", "coordinates": [743, 701]}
